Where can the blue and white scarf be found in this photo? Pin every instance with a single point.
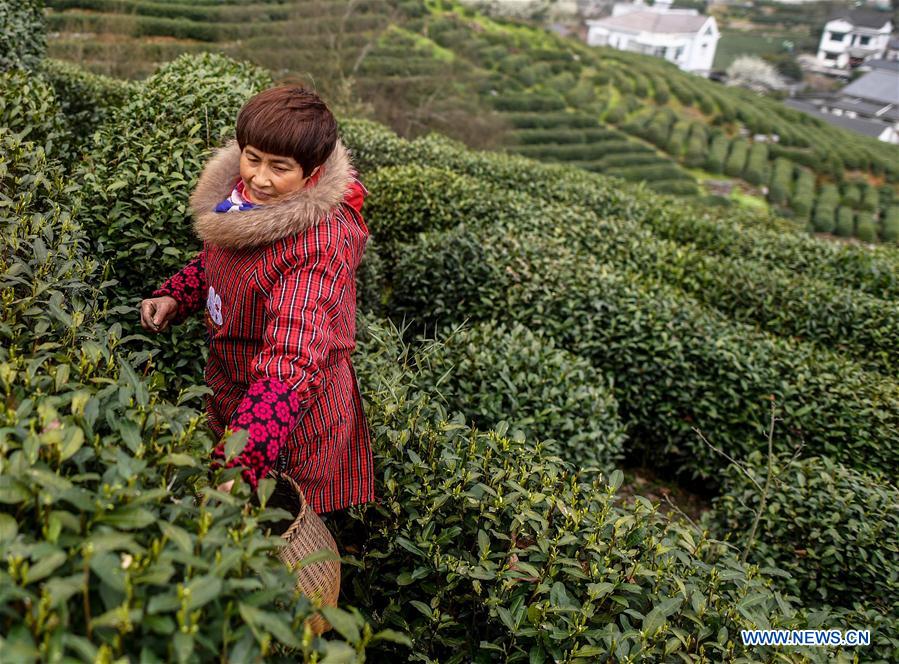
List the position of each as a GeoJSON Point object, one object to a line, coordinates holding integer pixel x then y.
{"type": "Point", "coordinates": [236, 202]}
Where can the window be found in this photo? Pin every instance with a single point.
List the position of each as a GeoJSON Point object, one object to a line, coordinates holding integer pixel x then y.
{"type": "Point", "coordinates": [659, 51]}
{"type": "Point", "coordinates": [864, 41]}
{"type": "Point", "coordinates": [830, 56]}
{"type": "Point", "coordinates": [837, 36]}
{"type": "Point", "coordinates": [679, 53]}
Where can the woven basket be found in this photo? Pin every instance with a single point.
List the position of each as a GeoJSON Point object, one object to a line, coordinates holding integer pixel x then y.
{"type": "Point", "coordinates": [307, 534]}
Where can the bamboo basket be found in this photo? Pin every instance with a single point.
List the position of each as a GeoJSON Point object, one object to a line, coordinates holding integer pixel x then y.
{"type": "Point", "coordinates": [307, 534]}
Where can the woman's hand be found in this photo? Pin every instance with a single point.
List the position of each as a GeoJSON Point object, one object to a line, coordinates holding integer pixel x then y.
{"type": "Point", "coordinates": [157, 312]}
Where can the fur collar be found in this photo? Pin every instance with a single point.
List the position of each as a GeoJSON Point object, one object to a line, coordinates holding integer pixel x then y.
{"type": "Point", "coordinates": [266, 223]}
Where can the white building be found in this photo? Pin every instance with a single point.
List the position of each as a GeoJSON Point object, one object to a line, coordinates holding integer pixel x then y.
{"type": "Point", "coordinates": [852, 36]}
{"type": "Point", "coordinates": [682, 36]}
{"type": "Point", "coordinates": [869, 105]}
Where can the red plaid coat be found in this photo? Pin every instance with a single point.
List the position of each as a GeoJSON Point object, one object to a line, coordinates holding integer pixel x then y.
{"type": "Point", "coordinates": [279, 289]}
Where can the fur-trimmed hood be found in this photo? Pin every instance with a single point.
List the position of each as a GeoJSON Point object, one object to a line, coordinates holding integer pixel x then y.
{"type": "Point", "coordinates": [264, 224]}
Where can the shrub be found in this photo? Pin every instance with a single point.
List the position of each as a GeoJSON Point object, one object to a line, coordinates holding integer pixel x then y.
{"type": "Point", "coordinates": [654, 342]}
{"type": "Point", "coordinates": [825, 209]}
{"type": "Point", "coordinates": [757, 164]}
{"type": "Point", "coordinates": [677, 138]}
{"type": "Point", "coordinates": [804, 193]}
{"type": "Point", "coordinates": [697, 146]}
{"type": "Point", "coordinates": [28, 107]}
{"type": "Point", "coordinates": [732, 233]}
{"type": "Point", "coordinates": [529, 102]}
{"type": "Point", "coordinates": [488, 546]}
{"type": "Point", "coordinates": [662, 92]}
{"type": "Point", "coordinates": [736, 157]}
{"type": "Point", "coordinates": [891, 225]}
{"type": "Point", "coordinates": [22, 36]}
{"type": "Point", "coordinates": [851, 196]}
{"type": "Point", "coordinates": [141, 171]}
{"type": "Point", "coordinates": [495, 374]}
{"type": "Point", "coordinates": [625, 159]}
{"type": "Point", "coordinates": [866, 227]}
{"type": "Point", "coordinates": [781, 181]}
{"type": "Point", "coordinates": [676, 187]}
{"type": "Point", "coordinates": [660, 127]}
{"type": "Point", "coordinates": [717, 153]}
{"type": "Point", "coordinates": [549, 120]}
{"type": "Point", "coordinates": [85, 99]}
{"type": "Point", "coordinates": [565, 136]}
{"type": "Point", "coordinates": [662, 171]}
{"type": "Point", "coordinates": [870, 199]}
{"type": "Point", "coordinates": [831, 527]}
{"type": "Point", "coordinates": [845, 226]}
{"type": "Point", "coordinates": [616, 114]}
{"type": "Point", "coordinates": [370, 280]}
{"type": "Point", "coordinates": [412, 199]}
{"type": "Point", "coordinates": [108, 551]}
{"type": "Point", "coordinates": [567, 152]}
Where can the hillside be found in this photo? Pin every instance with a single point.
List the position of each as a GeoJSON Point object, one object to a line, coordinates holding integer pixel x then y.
{"type": "Point", "coordinates": [436, 66]}
{"type": "Point", "coordinates": [525, 330]}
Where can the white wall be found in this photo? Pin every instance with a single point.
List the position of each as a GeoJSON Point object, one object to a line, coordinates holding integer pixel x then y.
{"type": "Point", "coordinates": [852, 37]}
{"type": "Point", "coordinates": [693, 57]}
{"type": "Point", "coordinates": [702, 48]}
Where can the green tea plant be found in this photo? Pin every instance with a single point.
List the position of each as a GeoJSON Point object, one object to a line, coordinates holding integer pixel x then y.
{"type": "Point", "coordinates": [23, 41]}
{"type": "Point", "coordinates": [656, 344]}
{"type": "Point", "coordinates": [832, 529]}
{"type": "Point", "coordinates": [109, 548]}
{"type": "Point", "coordinates": [496, 374]}
{"type": "Point", "coordinates": [487, 547]}
{"type": "Point", "coordinates": [738, 234]}
{"type": "Point", "coordinates": [29, 108]}
{"type": "Point", "coordinates": [409, 200]}
{"type": "Point", "coordinates": [86, 100]}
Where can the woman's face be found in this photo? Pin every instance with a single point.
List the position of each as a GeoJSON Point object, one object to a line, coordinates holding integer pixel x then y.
{"type": "Point", "coordinates": [267, 177]}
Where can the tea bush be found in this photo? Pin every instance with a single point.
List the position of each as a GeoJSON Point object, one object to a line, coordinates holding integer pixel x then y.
{"type": "Point", "coordinates": [736, 157]}
{"type": "Point", "coordinates": [738, 234]}
{"type": "Point", "coordinates": [717, 153]}
{"type": "Point", "coordinates": [86, 100]}
{"type": "Point", "coordinates": [139, 175]}
{"type": "Point", "coordinates": [22, 36]}
{"type": "Point", "coordinates": [891, 225]}
{"type": "Point", "coordinates": [654, 342]}
{"type": "Point", "coordinates": [851, 196]}
{"type": "Point", "coordinates": [871, 199]}
{"type": "Point", "coordinates": [29, 108]}
{"type": "Point", "coordinates": [824, 221]}
{"type": "Point", "coordinates": [866, 227]}
{"type": "Point", "coordinates": [144, 164]}
{"type": "Point", "coordinates": [756, 171]}
{"type": "Point", "coordinates": [409, 200]}
{"type": "Point", "coordinates": [563, 136]}
{"type": "Point", "coordinates": [107, 550]}
{"type": "Point", "coordinates": [781, 181]}
{"type": "Point", "coordinates": [804, 193]}
{"type": "Point", "coordinates": [831, 527]}
{"type": "Point", "coordinates": [495, 374]}
{"type": "Point", "coordinates": [845, 226]}
{"type": "Point", "coordinates": [697, 146]}
{"type": "Point", "coordinates": [486, 547]}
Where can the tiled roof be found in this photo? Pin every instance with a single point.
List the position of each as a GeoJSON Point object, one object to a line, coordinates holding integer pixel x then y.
{"type": "Point", "coordinates": [650, 21]}
{"type": "Point", "coordinates": [880, 85]}
{"type": "Point", "coordinates": [870, 128]}
{"type": "Point", "coordinates": [866, 18]}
